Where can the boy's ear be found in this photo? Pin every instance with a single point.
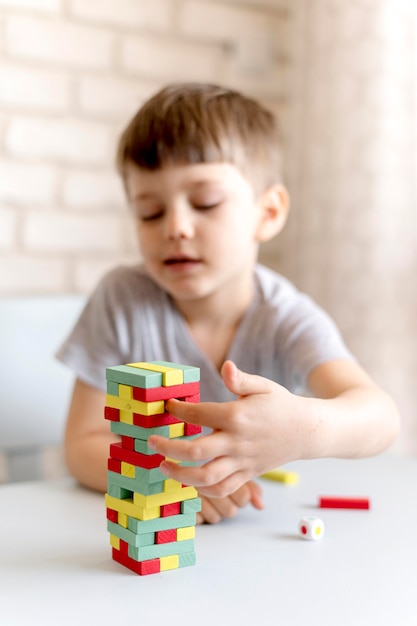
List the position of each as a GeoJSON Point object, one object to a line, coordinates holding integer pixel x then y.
{"type": "Point", "coordinates": [274, 205]}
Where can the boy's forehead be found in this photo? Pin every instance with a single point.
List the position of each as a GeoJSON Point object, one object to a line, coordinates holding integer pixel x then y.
{"type": "Point", "coordinates": [189, 175]}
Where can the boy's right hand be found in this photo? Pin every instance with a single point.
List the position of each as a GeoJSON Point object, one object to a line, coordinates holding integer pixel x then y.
{"type": "Point", "coordinates": [215, 509]}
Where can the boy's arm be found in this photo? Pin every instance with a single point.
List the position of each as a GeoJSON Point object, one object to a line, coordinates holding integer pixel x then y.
{"type": "Point", "coordinates": [267, 426]}
{"type": "Point", "coordinates": [88, 437]}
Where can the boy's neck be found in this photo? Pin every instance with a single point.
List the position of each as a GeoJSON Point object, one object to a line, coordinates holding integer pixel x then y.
{"type": "Point", "coordinates": [214, 320]}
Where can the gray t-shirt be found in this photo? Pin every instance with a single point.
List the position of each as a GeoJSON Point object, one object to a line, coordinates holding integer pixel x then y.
{"type": "Point", "coordinates": [129, 318]}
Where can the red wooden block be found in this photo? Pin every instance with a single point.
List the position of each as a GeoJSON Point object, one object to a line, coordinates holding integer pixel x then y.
{"type": "Point", "coordinates": [152, 421]}
{"type": "Point", "coordinates": [194, 398]}
{"type": "Point", "coordinates": [124, 547]}
{"type": "Point", "coordinates": [170, 509]}
{"type": "Point", "coordinates": [147, 461]}
{"type": "Point", "coordinates": [166, 536]}
{"type": "Point", "coordinates": [112, 516]}
{"type": "Point", "coordinates": [192, 429]}
{"type": "Point", "coordinates": [139, 567]}
{"type": "Point", "coordinates": [113, 465]}
{"type": "Point", "coordinates": [128, 442]}
{"type": "Point", "coordinates": [336, 502]}
{"type": "Point", "coordinates": [165, 393]}
{"type": "Point", "coordinates": [111, 414]}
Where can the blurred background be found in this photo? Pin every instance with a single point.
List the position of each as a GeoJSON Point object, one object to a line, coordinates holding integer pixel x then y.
{"type": "Point", "coordinates": [341, 76]}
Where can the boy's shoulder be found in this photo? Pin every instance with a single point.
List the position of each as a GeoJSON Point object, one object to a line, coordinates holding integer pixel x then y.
{"type": "Point", "coordinates": [274, 286]}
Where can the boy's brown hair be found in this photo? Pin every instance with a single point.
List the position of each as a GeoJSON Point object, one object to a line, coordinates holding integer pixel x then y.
{"type": "Point", "coordinates": [203, 123]}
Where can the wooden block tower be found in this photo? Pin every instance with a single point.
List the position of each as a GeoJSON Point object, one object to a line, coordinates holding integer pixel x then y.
{"type": "Point", "coordinates": [151, 519]}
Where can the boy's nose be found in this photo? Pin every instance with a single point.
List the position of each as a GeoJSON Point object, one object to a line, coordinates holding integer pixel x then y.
{"type": "Point", "coordinates": [178, 224]}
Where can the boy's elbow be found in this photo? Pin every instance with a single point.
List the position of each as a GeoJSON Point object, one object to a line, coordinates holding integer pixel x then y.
{"type": "Point", "coordinates": [392, 419]}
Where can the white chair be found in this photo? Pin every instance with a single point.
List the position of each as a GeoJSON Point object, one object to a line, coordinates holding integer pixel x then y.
{"type": "Point", "coordinates": [34, 387]}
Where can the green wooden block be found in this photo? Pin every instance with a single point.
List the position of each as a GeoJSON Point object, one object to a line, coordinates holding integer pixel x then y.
{"type": "Point", "coordinates": [112, 388]}
{"type": "Point", "coordinates": [134, 376]}
{"type": "Point", "coordinates": [163, 549]}
{"type": "Point", "coordinates": [191, 506]}
{"type": "Point", "coordinates": [141, 445]}
{"type": "Point", "coordinates": [144, 539]}
{"type": "Point", "coordinates": [191, 374]}
{"type": "Point", "coordinates": [118, 491]}
{"type": "Point", "coordinates": [133, 484]}
{"type": "Point", "coordinates": [186, 559]}
{"type": "Point", "coordinates": [138, 432]}
{"type": "Point", "coordinates": [161, 523]}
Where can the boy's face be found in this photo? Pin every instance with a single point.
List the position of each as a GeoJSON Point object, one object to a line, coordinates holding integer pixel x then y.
{"type": "Point", "coordinates": [197, 227]}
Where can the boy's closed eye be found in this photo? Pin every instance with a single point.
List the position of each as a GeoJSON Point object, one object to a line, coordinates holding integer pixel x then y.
{"type": "Point", "coordinates": [203, 203]}
{"type": "Point", "coordinates": [148, 210]}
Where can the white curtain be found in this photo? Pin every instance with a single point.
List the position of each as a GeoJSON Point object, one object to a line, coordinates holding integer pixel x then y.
{"type": "Point", "coordinates": [351, 240]}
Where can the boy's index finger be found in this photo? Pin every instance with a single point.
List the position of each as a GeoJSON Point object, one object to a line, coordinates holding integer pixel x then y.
{"type": "Point", "coordinates": [185, 411]}
{"type": "Point", "coordinates": [202, 413]}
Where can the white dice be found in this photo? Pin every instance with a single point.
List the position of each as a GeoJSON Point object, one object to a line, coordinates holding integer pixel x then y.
{"type": "Point", "coordinates": [311, 528]}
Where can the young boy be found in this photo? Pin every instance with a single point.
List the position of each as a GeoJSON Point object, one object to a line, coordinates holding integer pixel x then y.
{"type": "Point", "coordinates": [201, 167]}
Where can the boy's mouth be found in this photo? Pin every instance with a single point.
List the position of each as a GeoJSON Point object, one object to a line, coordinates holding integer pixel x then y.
{"type": "Point", "coordinates": [181, 262]}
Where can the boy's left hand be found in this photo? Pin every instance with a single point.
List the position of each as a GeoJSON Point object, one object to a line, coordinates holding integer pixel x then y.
{"type": "Point", "coordinates": [215, 509]}
{"type": "Point", "coordinates": [252, 434]}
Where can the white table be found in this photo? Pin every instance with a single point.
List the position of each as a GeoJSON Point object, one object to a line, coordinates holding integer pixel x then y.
{"type": "Point", "coordinates": [55, 565]}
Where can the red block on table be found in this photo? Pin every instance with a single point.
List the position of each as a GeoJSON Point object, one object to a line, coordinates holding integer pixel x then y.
{"type": "Point", "coordinates": [336, 502]}
{"type": "Point", "coordinates": [147, 461]}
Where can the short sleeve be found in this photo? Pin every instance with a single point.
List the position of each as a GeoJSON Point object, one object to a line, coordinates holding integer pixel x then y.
{"type": "Point", "coordinates": [100, 336]}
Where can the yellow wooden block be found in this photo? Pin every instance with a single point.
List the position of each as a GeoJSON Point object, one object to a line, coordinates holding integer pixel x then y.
{"type": "Point", "coordinates": [122, 519]}
{"type": "Point", "coordinates": [114, 542]}
{"type": "Point", "coordinates": [159, 499]}
{"type": "Point", "coordinates": [127, 469]}
{"type": "Point", "coordinates": [136, 406]}
{"type": "Point", "coordinates": [170, 375]}
{"type": "Point", "coordinates": [188, 532]}
{"type": "Point", "coordinates": [125, 391]}
{"type": "Point", "coordinates": [167, 458]}
{"type": "Point", "coordinates": [176, 430]}
{"type": "Point", "coordinates": [171, 485]}
{"type": "Point", "coordinates": [169, 562]}
{"type": "Point", "coordinates": [281, 476]}
{"type": "Point", "coordinates": [126, 417]}
{"type": "Point", "coordinates": [133, 510]}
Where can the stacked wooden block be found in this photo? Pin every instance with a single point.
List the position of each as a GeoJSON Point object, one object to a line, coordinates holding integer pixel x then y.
{"type": "Point", "coordinates": [151, 519]}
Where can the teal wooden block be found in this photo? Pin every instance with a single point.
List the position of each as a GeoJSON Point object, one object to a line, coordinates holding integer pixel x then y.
{"type": "Point", "coordinates": [186, 559]}
{"type": "Point", "coordinates": [141, 445]}
{"type": "Point", "coordinates": [144, 553]}
{"type": "Point", "coordinates": [191, 374]}
{"type": "Point", "coordinates": [112, 388]}
{"type": "Point", "coordinates": [182, 520]}
{"type": "Point", "coordinates": [144, 539]}
{"type": "Point", "coordinates": [118, 491]}
{"type": "Point", "coordinates": [134, 485]}
{"type": "Point", "coordinates": [134, 376]}
{"type": "Point", "coordinates": [191, 506]}
{"type": "Point", "coordinates": [138, 432]}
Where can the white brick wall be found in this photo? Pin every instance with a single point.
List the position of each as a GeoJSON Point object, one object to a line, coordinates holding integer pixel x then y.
{"type": "Point", "coordinates": [72, 72]}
